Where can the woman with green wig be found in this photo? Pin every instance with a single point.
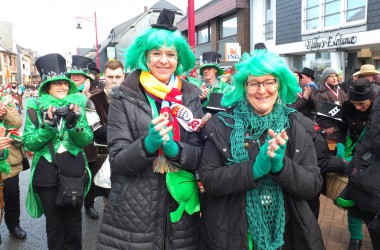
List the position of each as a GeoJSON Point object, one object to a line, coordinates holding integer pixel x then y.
{"type": "Point", "coordinates": [259, 165]}
{"type": "Point", "coordinates": [154, 146]}
{"type": "Point", "coordinates": [56, 130]}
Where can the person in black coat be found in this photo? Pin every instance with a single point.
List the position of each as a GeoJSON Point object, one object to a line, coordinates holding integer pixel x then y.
{"type": "Point", "coordinates": [326, 123]}
{"type": "Point", "coordinates": [305, 100]}
{"type": "Point", "coordinates": [144, 149]}
{"type": "Point", "coordinates": [361, 195]}
{"type": "Point", "coordinates": [259, 165]}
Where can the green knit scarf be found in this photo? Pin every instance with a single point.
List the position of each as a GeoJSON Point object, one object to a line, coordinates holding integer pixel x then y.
{"type": "Point", "coordinates": [265, 204]}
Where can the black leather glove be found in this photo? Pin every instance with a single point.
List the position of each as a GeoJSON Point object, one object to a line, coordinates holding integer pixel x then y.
{"type": "Point", "coordinates": [46, 120]}
{"type": "Point", "coordinates": [72, 118]}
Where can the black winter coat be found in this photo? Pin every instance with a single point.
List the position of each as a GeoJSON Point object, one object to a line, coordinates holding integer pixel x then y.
{"type": "Point", "coordinates": [137, 215]}
{"type": "Point", "coordinates": [224, 221]}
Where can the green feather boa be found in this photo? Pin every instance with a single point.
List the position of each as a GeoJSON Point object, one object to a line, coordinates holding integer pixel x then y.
{"type": "Point", "coordinates": [46, 100]}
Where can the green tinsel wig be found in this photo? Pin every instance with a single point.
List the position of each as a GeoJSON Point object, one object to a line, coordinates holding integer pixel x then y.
{"type": "Point", "coordinates": [262, 62]}
{"type": "Point", "coordinates": [155, 38]}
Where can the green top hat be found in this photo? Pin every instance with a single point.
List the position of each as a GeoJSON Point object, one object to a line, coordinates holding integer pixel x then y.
{"type": "Point", "coordinates": [80, 65]}
{"type": "Point", "coordinates": [52, 67]}
{"type": "Point", "coordinates": [211, 59]}
{"type": "Point", "coordinates": [183, 187]}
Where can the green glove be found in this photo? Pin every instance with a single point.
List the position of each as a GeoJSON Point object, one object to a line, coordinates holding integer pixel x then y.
{"type": "Point", "coordinates": [262, 164]}
{"type": "Point", "coordinates": [348, 159]}
{"type": "Point", "coordinates": [344, 203]}
{"type": "Point", "coordinates": [170, 148]}
{"type": "Point", "coordinates": [154, 140]}
{"type": "Point", "coordinates": [340, 150]}
{"type": "Point", "coordinates": [278, 159]}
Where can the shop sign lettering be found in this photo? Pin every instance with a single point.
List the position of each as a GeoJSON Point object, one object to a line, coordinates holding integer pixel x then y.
{"type": "Point", "coordinates": [336, 41]}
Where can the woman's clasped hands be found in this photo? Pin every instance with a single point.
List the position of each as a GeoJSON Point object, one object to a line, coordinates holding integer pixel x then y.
{"type": "Point", "coordinates": [71, 113]}
{"type": "Point", "coordinates": [276, 149]}
{"type": "Point", "coordinates": [160, 136]}
{"type": "Point", "coordinates": [271, 154]}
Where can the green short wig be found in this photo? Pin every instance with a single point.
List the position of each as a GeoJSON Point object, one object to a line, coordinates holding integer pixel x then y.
{"type": "Point", "coordinates": [262, 62]}
{"type": "Point", "coordinates": [155, 38]}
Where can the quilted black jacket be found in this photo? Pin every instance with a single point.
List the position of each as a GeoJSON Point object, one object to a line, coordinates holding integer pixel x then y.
{"type": "Point", "coordinates": [224, 221]}
{"type": "Point", "coordinates": [137, 215]}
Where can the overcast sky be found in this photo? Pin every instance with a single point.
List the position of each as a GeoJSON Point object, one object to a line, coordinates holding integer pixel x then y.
{"type": "Point", "coordinates": [49, 26]}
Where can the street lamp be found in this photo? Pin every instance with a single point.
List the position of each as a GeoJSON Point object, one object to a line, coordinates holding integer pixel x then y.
{"type": "Point", "coordinates": [79, 20]}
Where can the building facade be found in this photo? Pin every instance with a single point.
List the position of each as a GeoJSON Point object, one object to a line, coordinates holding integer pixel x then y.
{"type": "Point", "coordinates": [341, 34]}
{"type": "Point", "coordinates": [222, 26]}
{"type": "Point", "coordinates": [25, 62]}
{"type": "Point", "coordinates": [124, 34]}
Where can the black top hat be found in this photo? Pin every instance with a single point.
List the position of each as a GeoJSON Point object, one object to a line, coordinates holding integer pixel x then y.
{"type": "Point", "coordinates": [259, 46]}
{"type": "Point", "coordinates": [165, 20]}
{"type": "Point", "coordinates": [214, 103]}
{"type": "Point", "coordinates": [331, 111]}
{"type": "Point", "coordinates": [52, 67]}
{"type": "Point", "coordinates": [80, 65]}
{"type": "Point", "coordinates": [211, 57]}
{"type": "Point", "coordinates": [308, 72]}
{"type": "Point", "coordinates": [93, 69]}
{"type": "Point", "coordinates": [360, 90]}
{"type": "Point", "coordinates": [295, 70]}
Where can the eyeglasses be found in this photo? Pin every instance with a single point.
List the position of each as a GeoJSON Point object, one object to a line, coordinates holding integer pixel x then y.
{"type": "Point", "coordinates": [269, 84]}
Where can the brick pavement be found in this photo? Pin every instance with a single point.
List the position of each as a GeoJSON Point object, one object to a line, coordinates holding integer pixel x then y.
{"type": "Point", "coordinates": [333, 224]}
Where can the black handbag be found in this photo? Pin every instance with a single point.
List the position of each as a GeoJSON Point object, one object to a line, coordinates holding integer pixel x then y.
{"type": "Point", "coordinates": [70, 191]}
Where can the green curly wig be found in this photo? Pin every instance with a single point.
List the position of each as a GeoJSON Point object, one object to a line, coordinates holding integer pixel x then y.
{"type": "Point", "coordinates": [155, 38]}
{"type": "Point", "coordinates": [262, 62]}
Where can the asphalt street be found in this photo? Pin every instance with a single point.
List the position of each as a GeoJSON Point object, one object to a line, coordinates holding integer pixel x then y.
{"type": "Point", "coordinates": [35, 228]}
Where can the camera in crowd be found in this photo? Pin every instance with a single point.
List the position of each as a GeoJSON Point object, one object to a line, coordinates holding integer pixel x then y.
{"type": "Point", "coordinates": [62, 111]}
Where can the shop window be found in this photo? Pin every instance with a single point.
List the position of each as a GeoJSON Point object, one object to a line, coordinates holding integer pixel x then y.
{"type": "Point", "coordinates": [268, 23]}
{"type": "Point", "coordinates": [229, 27]}
{"type": "Point", "coordinates": [312, 15]}
{"type": "Point", "coordinates": [332, 13]}
{"type": "Point", "coordinates": [203, 35]}
{"type": "Point", "coordinates": [356, 10]}
{"type": "Point", "coordinates": [320, 15]}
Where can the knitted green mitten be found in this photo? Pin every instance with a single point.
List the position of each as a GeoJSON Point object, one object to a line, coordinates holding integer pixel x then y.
{"type": "Point", "coordinates": [262, 164]}
{"type": "Point", "coordinates": [170, 148]}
